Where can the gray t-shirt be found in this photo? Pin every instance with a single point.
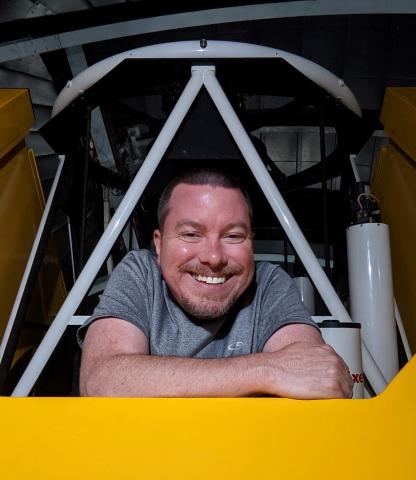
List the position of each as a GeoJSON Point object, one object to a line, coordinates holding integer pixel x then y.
{"type": "Point", "coordinates": [137, 293]}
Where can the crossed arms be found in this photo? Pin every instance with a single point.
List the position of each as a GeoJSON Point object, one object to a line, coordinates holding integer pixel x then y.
{"type": "Point", "coordinates": [295, 363]}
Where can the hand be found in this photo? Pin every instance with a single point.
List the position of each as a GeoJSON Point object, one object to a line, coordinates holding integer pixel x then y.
{"type": "Point", "coordinates": [303, 370]}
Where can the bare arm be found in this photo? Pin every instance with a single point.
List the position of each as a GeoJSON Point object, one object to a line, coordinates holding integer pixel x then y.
{"type": "Point", "coordinates": [308, 367]}
{"type": "Point", "coordinates": [116, 362]}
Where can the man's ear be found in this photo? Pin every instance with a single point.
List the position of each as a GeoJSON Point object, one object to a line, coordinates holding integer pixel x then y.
{"type": "Point", "coordinates": [157, 238]}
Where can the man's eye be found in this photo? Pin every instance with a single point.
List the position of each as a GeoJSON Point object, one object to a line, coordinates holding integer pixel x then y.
{"type": "Point", "coordinates": [190, 236]}
{"type": "Point", "coordinates": [235, 237]}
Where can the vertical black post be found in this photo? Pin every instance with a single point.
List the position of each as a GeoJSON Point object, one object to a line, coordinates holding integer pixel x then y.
{"type": "Point", "coordinates": [82, 233]}
{"type": "Point", "coordinates": [324, 188]}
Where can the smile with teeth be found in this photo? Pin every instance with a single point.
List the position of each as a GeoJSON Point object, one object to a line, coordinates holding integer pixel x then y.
{"type": "Point", "coordinates": [210, 280]}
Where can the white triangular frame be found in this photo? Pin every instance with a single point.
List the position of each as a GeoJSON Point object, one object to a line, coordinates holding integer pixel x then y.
{"type": "Point", "coordinates": [201, 75]}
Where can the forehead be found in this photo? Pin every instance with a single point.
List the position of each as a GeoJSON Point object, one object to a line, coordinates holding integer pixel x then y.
{"type": "Point", "coordinates": [206, 200]}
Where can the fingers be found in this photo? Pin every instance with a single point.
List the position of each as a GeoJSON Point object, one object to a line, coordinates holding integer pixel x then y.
{"type": "Point", "coordinates": [341, 374]}
{"type": "Point", "coordinates": [312, 371]}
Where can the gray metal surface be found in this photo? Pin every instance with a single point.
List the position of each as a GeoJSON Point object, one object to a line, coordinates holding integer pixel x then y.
{"type": "Point", "coordinates": [47, 166]}
{"type": "Point", "coordinates": [38, 144]}
{"type": "Point", "coordinates": [294, 149]}
{"type": "Point", "coordinates": [78, 63]}
{"type": "Point", "coordinates": [42, 115]}
{"type": "Point", "coordinates": [32, 65]}
{"type": "Point", "coordinates": [42, 91]}
{"type": "Point", "coordinates": [267, 11]}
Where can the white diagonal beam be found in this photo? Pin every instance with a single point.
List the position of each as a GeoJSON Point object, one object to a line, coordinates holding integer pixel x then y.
{"type": "Point", "coordinates": [115, 227]}
{"type": "Point", "coordinates": [33, 252]}
{"type": "Point", "coordinates": [286, 219]}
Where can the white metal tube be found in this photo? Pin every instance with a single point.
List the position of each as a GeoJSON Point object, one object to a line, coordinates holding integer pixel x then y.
{"type": "Point", "coordinates": [286, 218]}
{"type": "Point", "coordinates": [371, 292]}
{"type": "Point", "coordinates": [345, 339]}
{"type": "Point", "coordinates": [32, 255]}
{"type": "Point", "coordinates": [275, 199]}
{"type": "Point", "coordinates": [307, 293]}
{"type": "Point", "coordinates": [108, 238]}
{"type": "Point", "coordinates": [402, 332]}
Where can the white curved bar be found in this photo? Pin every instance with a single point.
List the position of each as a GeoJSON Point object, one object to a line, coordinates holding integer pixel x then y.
{"type": "Point", "coordinates": [214, 49]}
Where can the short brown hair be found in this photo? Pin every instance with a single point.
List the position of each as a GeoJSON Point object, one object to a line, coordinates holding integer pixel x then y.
{"type": "Point", "coordinates": [200, 176]}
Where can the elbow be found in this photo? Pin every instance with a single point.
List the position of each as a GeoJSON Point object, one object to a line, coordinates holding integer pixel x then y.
{"type": "Point", "coordinates": [89, 387]}
{"type": "Point", "coordinates": [92, 382]}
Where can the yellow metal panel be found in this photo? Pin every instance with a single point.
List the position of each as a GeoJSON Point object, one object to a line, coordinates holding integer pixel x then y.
{"type": "Point", "coordinates": [20, 210]}
{"type": "Point", "coordinates": [251, 438]}
{"type": "Point", "coordinates": [21, 207]}
{"type": "Point", "coordinates": [394, 184]}
{"type": "Point", "coordinates": [16, 117]}
{"type": "Point", "coordinates": [398, 116]}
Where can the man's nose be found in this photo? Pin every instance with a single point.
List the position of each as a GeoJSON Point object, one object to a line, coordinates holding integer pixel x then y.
{"type": "Point", "coordinates": [212, 254]}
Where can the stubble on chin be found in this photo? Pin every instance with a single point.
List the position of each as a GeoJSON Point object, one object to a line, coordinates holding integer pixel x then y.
{"type": "Point", "coordinates": [205, 309]}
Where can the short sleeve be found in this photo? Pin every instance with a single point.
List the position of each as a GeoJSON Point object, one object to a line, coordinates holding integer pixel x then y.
{"type": "Point", "coordinates": [128, 294]}
{"type": "Point", "coordinates": [281, 304]}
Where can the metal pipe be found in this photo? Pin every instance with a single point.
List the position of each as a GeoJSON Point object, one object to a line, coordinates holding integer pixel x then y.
{"type": "Point", "coordinates": [307, 293]}
{"type": "Point", "coordinates": [108, 238]}
{"type": "Point", "coordinates": [324, 188]}
{"type": "Point", "coordinates": [275, 199]}
{"type": "Point", "coordinates": [84, 202]}
{"type": "Point", "coordinates": [371, 292]}
{"type": "Point", "coordinates": [286, 219]}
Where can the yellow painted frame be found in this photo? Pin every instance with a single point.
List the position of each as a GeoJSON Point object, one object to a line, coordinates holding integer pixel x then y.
{"type": "Point", "coordinates": [21, 206]}
{"type": "Point", "coordinates": [247, 438]}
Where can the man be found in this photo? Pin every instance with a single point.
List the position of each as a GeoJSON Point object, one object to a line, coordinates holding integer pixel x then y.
{"type": "Point", "coordinates": [201, 319]}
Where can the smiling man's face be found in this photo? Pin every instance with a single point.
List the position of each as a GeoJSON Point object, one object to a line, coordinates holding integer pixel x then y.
{"type": "Point", "coordinates": [205, 248]}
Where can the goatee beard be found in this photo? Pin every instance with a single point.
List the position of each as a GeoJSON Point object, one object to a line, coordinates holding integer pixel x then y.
{"type": "Point", "coordinates": [207, 309]}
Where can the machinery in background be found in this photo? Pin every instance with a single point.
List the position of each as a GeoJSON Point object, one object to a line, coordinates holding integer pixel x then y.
{"type": "Point", "coordinates": [323, 100]}
{"type": "Point", "coordinates": [303, 89]}
{"type": "Point", "coordinates": [240, 436]}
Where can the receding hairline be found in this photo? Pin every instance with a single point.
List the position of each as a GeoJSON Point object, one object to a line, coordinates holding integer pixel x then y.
{"type": "Point", "coordinates": [199, 177]}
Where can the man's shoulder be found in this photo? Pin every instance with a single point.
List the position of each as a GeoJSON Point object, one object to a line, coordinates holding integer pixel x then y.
{"type": "Point", "coordinates": [142, 255]}
{"type": "Point", "coordinates": [140, 261]}
{"type": "Point", "coordinates": [268, 268]}
{"type": "Point", "coordinates": [267, 272]}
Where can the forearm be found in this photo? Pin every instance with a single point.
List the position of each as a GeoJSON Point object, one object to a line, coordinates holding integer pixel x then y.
{"type": "Point", "coordinates": [132, 375]}
{"type": "Point", "coordinates": [296, 367]}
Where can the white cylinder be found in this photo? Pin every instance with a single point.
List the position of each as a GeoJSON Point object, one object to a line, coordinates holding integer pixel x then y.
{"type": "Point", "coordinates": [307, 292]}
{"type": "Point", "coordinates": [371, 292]}
{"type": "Point", "coordinates": [345, 339]}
